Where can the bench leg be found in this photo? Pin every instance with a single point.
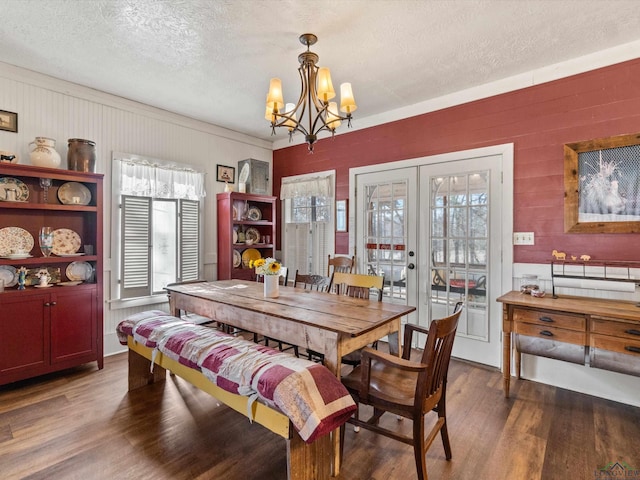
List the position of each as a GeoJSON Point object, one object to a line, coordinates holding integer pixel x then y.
{"type": "Point", "coordinates": [139, 374]}
{"type": "Point", "coordinates": [308, 461]}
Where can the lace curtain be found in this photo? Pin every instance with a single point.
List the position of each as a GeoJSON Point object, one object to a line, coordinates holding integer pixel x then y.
{"type": "Point", "coordinates": [146, 179]}
{"type": "Point", "coordinates": [320, 186]}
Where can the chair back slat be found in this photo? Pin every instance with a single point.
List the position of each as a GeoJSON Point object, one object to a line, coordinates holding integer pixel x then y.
{"type": "Point", "coordinates": [340, 264]}
{"type": "Point", "coordinates": [357, 285]}
{"type": "Point", "coordinates": [318, 283]}
{"type": "Point", "coordinates": [437, 353]}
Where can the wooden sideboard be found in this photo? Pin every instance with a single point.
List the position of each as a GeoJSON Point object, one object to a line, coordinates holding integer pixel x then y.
{"type": "Point", "coordinates": [600, 333]}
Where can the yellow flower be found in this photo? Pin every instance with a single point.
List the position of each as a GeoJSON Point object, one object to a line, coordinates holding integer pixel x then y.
{"type": "Point", "coordinates": [274, 268]}
{"type": "Point", "coordinates": [258, 263]}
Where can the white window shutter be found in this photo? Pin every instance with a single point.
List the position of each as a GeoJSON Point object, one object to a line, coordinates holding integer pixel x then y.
{"type": "Point", "coordinates": [189, 240]}
{"type": "Point", "coordinates": [136, 246]}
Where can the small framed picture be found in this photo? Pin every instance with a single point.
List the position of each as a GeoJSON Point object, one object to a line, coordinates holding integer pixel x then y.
{"type": "Point", "coordinates": [226, 174]}
{"type": "Point", "coordinates": [8, 121]}
{"type": "Point", "coordinates": [342, 215]}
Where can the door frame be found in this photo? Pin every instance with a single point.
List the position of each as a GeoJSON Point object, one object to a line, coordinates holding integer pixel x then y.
{"type": "Point", "coordinates": [506, 223]}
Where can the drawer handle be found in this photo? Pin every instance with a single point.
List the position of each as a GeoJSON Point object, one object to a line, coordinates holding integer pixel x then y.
{"type": "Point", "coordinates": [546, 333]}
{"type": "Point", "coordinates": [633, 349]}
{"type": "Point", "coordinates": [632, 331]}
{"type": "Point", "coordinates": [546, 319]}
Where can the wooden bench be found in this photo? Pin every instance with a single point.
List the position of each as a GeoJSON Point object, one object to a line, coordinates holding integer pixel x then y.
{"type": "Point", "coordinates": [304, 461]}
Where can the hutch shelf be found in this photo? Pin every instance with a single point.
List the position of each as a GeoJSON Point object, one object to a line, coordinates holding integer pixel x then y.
{"type": "Point", "coordinates": [246, 230]}
{"type": "Point", "coordinates": [47, 329]}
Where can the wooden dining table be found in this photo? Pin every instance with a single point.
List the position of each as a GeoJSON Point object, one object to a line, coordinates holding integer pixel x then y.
{"type": "Point", "coordinates": [333, 325]}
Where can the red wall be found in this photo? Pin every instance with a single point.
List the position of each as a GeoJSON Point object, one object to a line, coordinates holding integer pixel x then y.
{"type": "Point", "coordinates": [538, 120]}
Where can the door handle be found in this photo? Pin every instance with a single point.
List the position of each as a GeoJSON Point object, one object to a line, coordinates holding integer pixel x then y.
{"type": "Point", "coordinates": [411, 266]}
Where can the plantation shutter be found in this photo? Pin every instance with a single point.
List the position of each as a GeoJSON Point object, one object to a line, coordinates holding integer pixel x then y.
{"type": "Point", "coordinates": [136, 247]}
{"type": "Point", "coordinates": [189, 240]}
{"type": "Point", "coordinates": [320, 232]}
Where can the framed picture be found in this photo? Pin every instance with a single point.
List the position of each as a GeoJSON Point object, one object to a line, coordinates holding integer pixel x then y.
{"type": "Point", "coordinates": [8, 121]}
{"type": "Point", "coordinates": [602, 185]}
{"type": "Point", "coordinates": [226, 174]}
{"type": "Point", "coordinates": [342, 215]}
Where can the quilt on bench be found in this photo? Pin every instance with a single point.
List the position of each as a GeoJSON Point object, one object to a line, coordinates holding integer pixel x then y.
{"type": "Point", "coordinates": [308, 393]}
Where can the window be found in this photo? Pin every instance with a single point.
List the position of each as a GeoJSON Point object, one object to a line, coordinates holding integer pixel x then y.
{"type": "Point", "coordinates": [157, 225]}
{"type": "Point", "coordinates": [308, 222]}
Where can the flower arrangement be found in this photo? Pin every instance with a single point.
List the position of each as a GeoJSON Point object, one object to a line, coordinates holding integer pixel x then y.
{"type": "Point", "coordinates": [265, 266]}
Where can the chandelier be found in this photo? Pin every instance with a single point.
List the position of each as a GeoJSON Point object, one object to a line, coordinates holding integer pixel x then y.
{"type": "Point", "coordinates": [314, 110]}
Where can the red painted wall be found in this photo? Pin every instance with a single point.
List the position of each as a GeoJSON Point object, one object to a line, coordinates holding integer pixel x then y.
{"type": "Point", "coordinates": [538, 120]}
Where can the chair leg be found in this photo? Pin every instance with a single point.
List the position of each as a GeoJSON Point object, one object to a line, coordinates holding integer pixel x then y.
{"type": "Point", "coordinates": [444, 432]}
{"type": "Point", "coordinates": [419, 450]}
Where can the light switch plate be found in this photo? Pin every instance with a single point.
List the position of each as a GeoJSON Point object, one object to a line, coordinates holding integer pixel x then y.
{"type": "Point", "coordinates": [523, 238]}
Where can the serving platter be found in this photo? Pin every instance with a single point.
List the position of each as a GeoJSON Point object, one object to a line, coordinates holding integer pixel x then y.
{"type": "Point", "coordinates": [10, 183]}
{"type": "Point", "coordinates": [248, 255]}
{"type": "Point", "coordinates": [254, 214]}
{"type": "Point", "coordinates": [252, 234]}
{"type": "Point", "coordinates": [15, 239]}
{"type": "Point", "coordinates": [74, 193]}
{"type": "Point", "coordinates": [8, 274]}
{"type": "Point", "coordinates": [79, 271]}
{"type": "Point", "coordinates": [65, 242]}
{"type": "Point", "coordinates": [237, 258]}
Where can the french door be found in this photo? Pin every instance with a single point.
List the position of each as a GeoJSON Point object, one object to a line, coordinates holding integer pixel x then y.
{"type": "Point", "coordinates": [434, 231]}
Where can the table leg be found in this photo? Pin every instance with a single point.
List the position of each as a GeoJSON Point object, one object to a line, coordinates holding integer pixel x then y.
{"type": "Point", "coordinates": [506, 361]}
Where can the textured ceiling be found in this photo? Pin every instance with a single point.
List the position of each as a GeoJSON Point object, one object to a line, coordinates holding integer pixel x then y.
{"type": "Point", "coordinates": [212, 59]}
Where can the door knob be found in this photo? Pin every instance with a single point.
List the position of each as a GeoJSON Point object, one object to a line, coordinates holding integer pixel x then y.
{"type": "Point", "coordinates": [411, 266]}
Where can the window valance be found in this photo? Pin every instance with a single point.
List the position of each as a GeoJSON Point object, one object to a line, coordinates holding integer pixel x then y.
{"type": "Point", "coordinates": [146, 179]}
{"type": "Point", "coordinates": [319, 186]}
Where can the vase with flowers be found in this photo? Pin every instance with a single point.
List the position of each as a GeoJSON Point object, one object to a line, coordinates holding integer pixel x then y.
{"type": "Point", "coordinates": [269, 268]}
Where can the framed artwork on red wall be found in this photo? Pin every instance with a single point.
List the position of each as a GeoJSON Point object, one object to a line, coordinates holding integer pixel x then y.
{"type": "Point", "coordinates": [602, 185]}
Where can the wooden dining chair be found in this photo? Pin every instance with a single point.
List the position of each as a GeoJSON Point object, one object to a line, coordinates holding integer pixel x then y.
{"type": "Point", "coordinates": [318, 283]}
{"type": "Point", "coordinates": [340, 264]}
{"type": "Point", "coordinates": [357, 286]}
{"type": "Point", "coordinates": [407, 388]}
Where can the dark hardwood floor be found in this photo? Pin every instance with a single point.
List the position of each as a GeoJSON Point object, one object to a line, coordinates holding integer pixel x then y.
{"type": "Point", "coordinates": [83, 424]}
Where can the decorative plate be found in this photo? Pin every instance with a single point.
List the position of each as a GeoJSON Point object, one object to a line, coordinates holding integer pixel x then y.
{"type": "Point", "coordinates": [235, 237]}
{"type": "Point", "coordinates": [250, 254]}
{"type": "Point", "coordinates": [70, 284]}
{"type": "Point", "coordinates": [65, 242]}
{"type": "Point", "coordinates": [252, 234]}
{"type": "Point", "coordinates": [8, 274]}
{"type": "Point", "coordinates": [254, 214]}
{"type": "Point", "coordinates": [22, 191]}
{"type": "Point", "coordinates": [237, 259]}
{"type": "Point", "coordinates": [13, 240]}
{"type": "Point", "coordinates": [79, 271]}
{"type": "Point", "coordinates": [17, 256]}
{"type": "Point", "coordinates": [235, 213]}
{"type": "Point", "coordinates": [74, 193]}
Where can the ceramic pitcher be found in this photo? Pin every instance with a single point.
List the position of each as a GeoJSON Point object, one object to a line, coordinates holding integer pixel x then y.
{"type": "Point", "coordinates": [43, 153]}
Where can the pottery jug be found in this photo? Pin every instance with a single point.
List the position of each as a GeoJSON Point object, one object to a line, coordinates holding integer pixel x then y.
{"type": "Point", "coordinates": [43, 153]}
{"type": "Point", "coordinates": [81, 156]}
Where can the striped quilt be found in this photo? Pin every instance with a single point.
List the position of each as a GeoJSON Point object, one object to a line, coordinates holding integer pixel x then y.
{"type": "Point", "coordinates": [306, 392]}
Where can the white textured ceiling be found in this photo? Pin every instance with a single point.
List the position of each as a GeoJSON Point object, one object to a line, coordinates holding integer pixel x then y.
{"type": "Point", "coordinates": [212, 59]}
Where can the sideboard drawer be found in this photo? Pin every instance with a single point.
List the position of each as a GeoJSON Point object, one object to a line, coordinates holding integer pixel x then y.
{"type": "Point", "coordinates": [616, 329]}
{"type": "Point", "coordinates": [551, 319]}
{"type": "Point", "coordinates": [551, 333]}
{"type": "Point", "coordinates": [615, 344]}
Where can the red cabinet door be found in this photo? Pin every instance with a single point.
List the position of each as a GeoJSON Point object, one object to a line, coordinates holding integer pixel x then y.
{"type": "Point", "coordinates": [24, 334]}
{"type": "Point", "coordinates": [73, 326]}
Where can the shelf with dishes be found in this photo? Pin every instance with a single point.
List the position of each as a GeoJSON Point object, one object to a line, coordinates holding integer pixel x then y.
{"type": "Point", "coordinates": [34, 192]}
{"type": "Point", "coordinates": [74, 274]}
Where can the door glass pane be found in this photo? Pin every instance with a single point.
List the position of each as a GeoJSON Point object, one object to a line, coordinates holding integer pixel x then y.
{"type": "Point", "coordinates": [460, 242]}
{"type": "Point", "coordinates": [386, 235]}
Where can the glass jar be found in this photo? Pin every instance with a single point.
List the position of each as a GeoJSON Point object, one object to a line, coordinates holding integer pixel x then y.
{"type": "Point", "coordinates": [528, 282]}
{"type": "Point", "coordinates": [81, 156]}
